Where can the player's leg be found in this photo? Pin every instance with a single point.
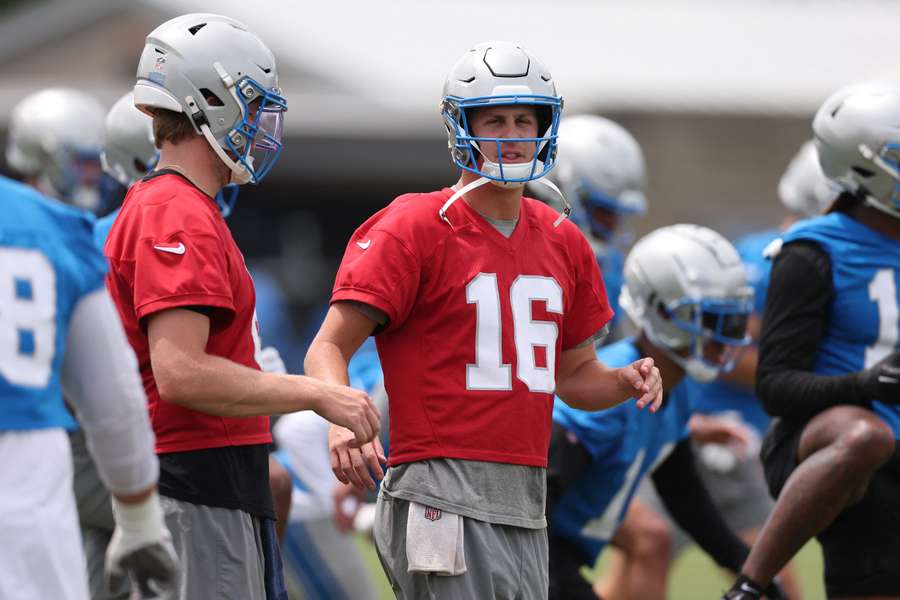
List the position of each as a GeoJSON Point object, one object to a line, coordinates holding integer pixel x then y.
{"type": "Point", "coordinates": [322, 562]}
{"type": "Point", "coordinates": [861, 549]}
{"type": "Point", "coordinates": [738, 489]}
{"type": "Point", "coordinates": [566, 580]}
{"type": "Point", "coordinates": [281, 487]}
{"type": "Point", "coordinates": [41, 549]}
{"type": "Point", "coordinates": [645, 541]}
{"type": "Point", "coordinates": [836, 455]}
{"type": "Point", "coordinates": [219, 551]}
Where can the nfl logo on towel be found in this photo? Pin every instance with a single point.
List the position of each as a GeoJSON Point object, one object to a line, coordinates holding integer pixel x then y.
{"type": "Point", "coordinates": [432, 514]}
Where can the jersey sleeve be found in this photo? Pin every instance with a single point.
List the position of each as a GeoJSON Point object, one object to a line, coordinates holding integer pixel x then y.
{"type": "Point", "coordinates": [174, 268]}
{"type": "Point", "coordinates": [379, 269]}
{"type": "Point", "coordinates": [590, 310]}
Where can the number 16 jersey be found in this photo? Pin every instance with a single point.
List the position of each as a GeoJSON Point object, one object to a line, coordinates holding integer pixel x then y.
{"type": "Point", "coordinates": [476, 323]}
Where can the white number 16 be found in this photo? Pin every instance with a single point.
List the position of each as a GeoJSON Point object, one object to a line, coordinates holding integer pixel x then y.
{"type": "Point", "coordinates": [489, 372]}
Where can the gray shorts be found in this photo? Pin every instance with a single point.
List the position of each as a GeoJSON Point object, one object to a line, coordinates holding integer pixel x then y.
{"type": "Point", "coordinates": [219, 551]}
{"type": "Point", "coordinates": [740, 494]}
{"type": "Point", "coordinates": [504, 562]}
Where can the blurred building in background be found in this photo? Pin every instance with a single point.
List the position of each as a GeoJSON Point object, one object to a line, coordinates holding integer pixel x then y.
{"type": "Point", "coordinates": [720, 95]}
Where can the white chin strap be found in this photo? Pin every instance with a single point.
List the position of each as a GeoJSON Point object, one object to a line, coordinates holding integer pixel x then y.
{"type": "Point", "coordinates": [239, 173]}
{"type": "Point", "coordinates": [483, 180]}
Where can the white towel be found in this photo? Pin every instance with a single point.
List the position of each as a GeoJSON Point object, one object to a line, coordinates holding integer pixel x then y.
{"type": "Point", "coordinates": [434, 541]}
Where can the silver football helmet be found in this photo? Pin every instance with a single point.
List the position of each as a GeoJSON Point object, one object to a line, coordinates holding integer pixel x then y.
{"type": "Point", "coordinates": [857, 134]}
{"type": "Point", "coordinates": [600, 165]}
{"type": "Point", "coordinates": [686, 286]}
{"type": "Point", "coordinates": [224, 78]}
{"type": "Point", "coordinates": [500, 73]}
{"type": "Point", "coordinates": [129, 152]}
{"type": "Point", "coordinates": [803, 188]}
{"type": "Point", "coordinates": [55, 138]}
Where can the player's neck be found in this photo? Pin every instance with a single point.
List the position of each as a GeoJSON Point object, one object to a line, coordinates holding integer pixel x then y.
{"type": "Point", "coordinates": [194, 159]}
{"type": "Point", "coordinates": [491, 200]}
{"type": "Point", "coordinates": [669, 370]}
{"type": "Point", "coordinates": [877, 220]}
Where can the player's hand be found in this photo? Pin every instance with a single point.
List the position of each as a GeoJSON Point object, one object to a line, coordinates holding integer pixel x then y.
{"type": "Point", "coordinates": [351, 409]}
{"type": "Point", "coordinates": [881, 381]}
{"type": "Point", "coordinates": [354, 465]}
{"type": "Point", "coordinates": [705, 429]}
{"type": "Point", "coordinates": [347, 502]}
{"type": "Point", "coordinates": [641, 380]}
{"type": "Point", "coordinates": [269, 360]}
{"type": "Point", "coordinates": [141, 549]}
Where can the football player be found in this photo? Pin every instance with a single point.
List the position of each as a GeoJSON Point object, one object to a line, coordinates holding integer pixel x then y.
{"type": "Point", "coordinates": [734, 478]}
{"type": "Point", "coordinates": [829, 363]}
{"type": "Point", "coordinates": [187, 301]}
{"type": "Point", "coordinates": [601, 171]}
{"type": "Point", "coordinates": [685, 289]}
{"type": "Point", "coordinates": [483, 303]}
{"type": "Point", "coordinates": [54, 144]}
{"type": "Point", "coordinates": [59, 331]}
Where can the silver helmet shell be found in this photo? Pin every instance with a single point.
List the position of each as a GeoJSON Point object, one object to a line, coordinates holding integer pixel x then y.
{"type": "Point", "coordinates": [600, 165]}
{"type": "Point", "coordinates": [212, 68]}
{"type": "Point", "coordinates": [129, 152]}
{"type": "Point", "coordinates": [804, 189]}
{"type": "Point", "coordinates": [52, 132]}
{"type": "Point", "coordinates": [857, 135]}
{"type": "Point", "coordinates": [685, 285]}
{"type": "Point", "coordinates": [500, 73]}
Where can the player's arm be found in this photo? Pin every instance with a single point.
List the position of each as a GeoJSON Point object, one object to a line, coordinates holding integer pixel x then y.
{"type": "Point", "coordinates": [795, 323]}
{"type": "Point", "coordinates": [100, 378]}
{"type": "Point", "coordinates": [344, 330]}
{"type": "Point", "coordinates": [186, 375]}
{"type": "Point", "coordinates": [585, 383]}
{"type": "Point", "coordinates": [688, 502]}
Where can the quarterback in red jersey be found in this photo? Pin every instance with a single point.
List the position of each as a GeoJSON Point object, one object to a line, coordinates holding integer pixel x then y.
{"type": "Point", "coordinates": [483, 303]}
{"type": "Point", "coordinates": [186, 299]}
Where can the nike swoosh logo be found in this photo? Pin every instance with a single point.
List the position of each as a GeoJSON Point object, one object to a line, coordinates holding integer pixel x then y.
{"type": "Point", "coordinates": [179, 249]}
{"type": "Point", "coordinates": [364, 245]}
{"type": "Point", "coordinates": [747, 588]}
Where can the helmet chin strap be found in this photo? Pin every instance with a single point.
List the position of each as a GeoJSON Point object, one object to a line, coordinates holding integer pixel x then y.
{"type": "Point", "coordinates": [493, 168]}
{"type": "Point", "coordinates": [239, 173]}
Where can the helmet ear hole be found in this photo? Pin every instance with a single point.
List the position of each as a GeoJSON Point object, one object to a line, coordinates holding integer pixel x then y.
{"type": "Point", "coordinates": [211, 98]}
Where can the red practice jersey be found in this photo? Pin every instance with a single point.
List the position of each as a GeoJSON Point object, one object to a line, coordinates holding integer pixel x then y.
{"type": "Point", "coordinates": [170, 247]}
{"type": "Point", "coordinates": [477, 323]}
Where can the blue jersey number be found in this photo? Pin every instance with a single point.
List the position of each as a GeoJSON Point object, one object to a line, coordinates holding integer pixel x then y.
{"type": "Point", "coordinates": [883, 291]}
{"type": "Point", "coordinates": [27, 317]}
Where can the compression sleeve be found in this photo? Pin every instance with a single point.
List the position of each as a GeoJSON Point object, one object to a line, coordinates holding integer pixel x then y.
{"type": "Point", "coordinates": [794, 323]}
{"type": "Point", "coordinates": [687, 500]}
{"type": "Point", "coordinates": [100, 378]}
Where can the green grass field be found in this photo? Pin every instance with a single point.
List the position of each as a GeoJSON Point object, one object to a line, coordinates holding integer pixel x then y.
{"type": "Point", "coordinates": [694, 576]}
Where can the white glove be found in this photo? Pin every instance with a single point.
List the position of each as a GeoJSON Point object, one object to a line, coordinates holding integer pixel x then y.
{"type": "Point", "coordinates": [269, 360]}
{"type": "Point", "coordinates": [141, 548]}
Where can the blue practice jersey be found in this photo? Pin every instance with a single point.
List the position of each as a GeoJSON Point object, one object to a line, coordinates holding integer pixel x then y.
{"type": "Point", "coordinates": [612, 264]}
{"type": "Point", "coordinates": [102, 227]}
{"type": "Point", "coordinates": [864, 325]}
{"type": "Point", "coordinates": [625, 443]}
{"type": "Point", "coordinates": [365, 368]}
{"type": "Point", "coordinates": [720, 396]}
{"type": "Point", "coordinates": [48, 262]}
